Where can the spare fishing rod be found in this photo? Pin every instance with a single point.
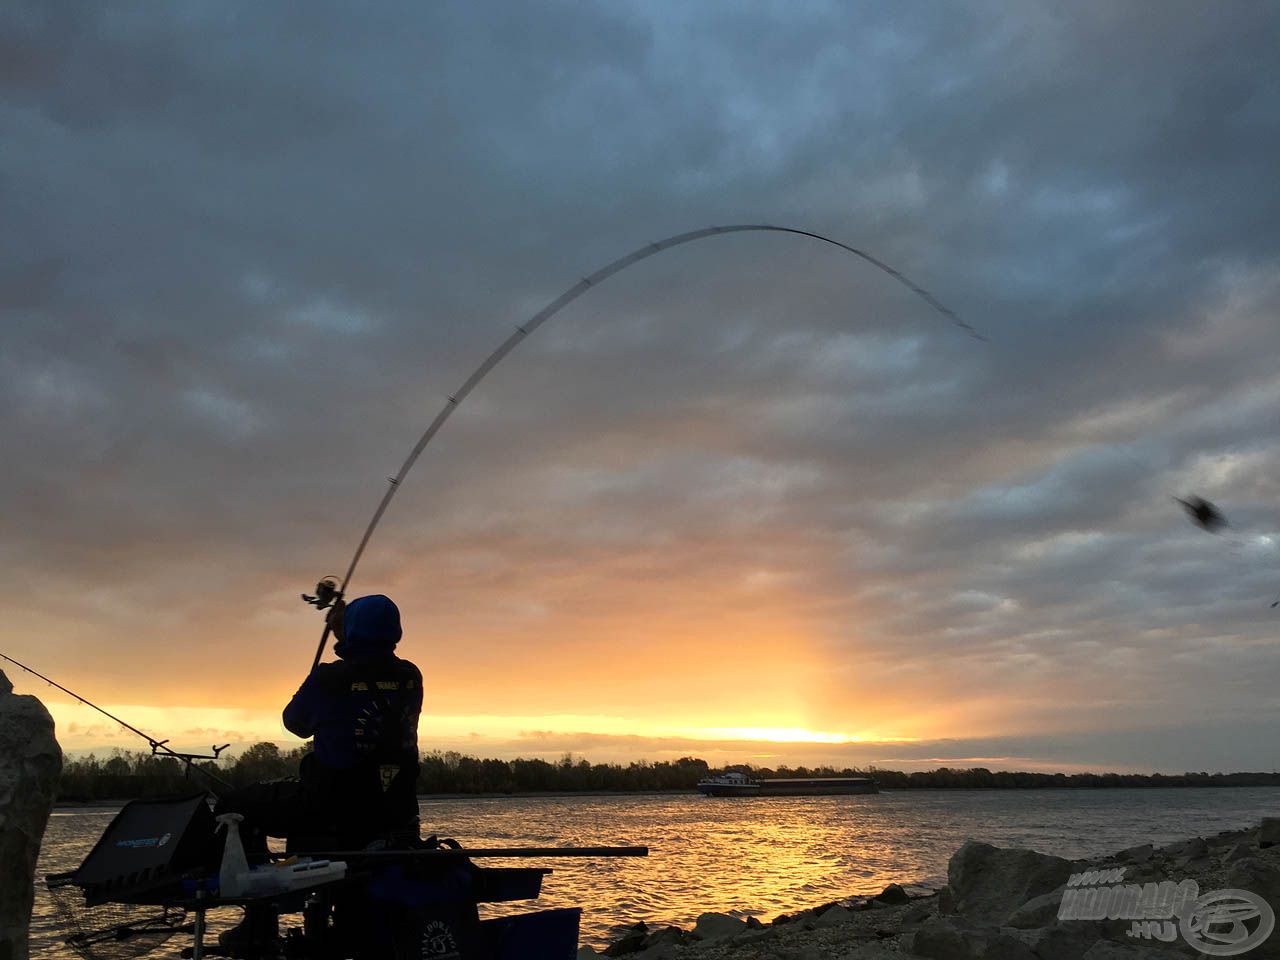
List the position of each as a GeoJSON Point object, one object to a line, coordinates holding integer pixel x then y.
{"type": "Point", "coordinates": [158, 747]}
{"type": "Point", "coordinates": [330, 591]}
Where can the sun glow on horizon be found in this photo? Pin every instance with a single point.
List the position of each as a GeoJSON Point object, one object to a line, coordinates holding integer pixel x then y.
{"type": "Point", "coordinates": [80, 728]}
{"type": "Point", "coordinates": [790, 735]}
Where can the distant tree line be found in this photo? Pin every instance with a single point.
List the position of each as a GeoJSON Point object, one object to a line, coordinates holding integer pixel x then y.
{"type": "Point", "coordinates": [982, 778]}
{"type": "Point", "coordinates": [129, 774]}
{"type": "Point", "coordinates": [452, 772]}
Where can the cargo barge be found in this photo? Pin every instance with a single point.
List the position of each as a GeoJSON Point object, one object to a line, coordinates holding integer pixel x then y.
{"type": "Point", "coordinates": [736, 784]}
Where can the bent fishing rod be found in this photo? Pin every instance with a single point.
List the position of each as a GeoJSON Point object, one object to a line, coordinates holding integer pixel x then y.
{"type": "Point", "coordinates": [330, 590]}
{"type": "Point", "coordinates": [158, 747]}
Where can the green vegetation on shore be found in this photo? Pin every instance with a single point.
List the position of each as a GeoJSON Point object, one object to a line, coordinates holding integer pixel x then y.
{"type": "Point", "coordinates": [127, 774]}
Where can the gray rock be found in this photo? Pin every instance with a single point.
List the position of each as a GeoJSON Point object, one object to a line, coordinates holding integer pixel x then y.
{"type": "Point", "coordinates": [716, 926]}
{"type": "Point", "coordinates": [1028, 937]}
{"type": "Point", "coordinates": [1037, 912]}
{"type": "Point", "coordinates": [916, 915]}
{"type": "Point", "coordinates": [939, 939]}
{"type": "Point", "coordinates": [1151, 871]}
{"type": "Point", "coordinates": [1003, 946]}
{"type": "Point", "coordinates": [872, 951]}
{"type": "Point", "coordinates": [1111, 950]}
{"type": "Point", "coordinates": [633, 941]}
{"type": "Point", "coordinates": [1139, 854]}
{"type": "Point", "coordinates": [586, 953]}
{"type": "Point", "coordinates": [1240, 851]}
{"type": "Point", "coordinates": [946, 901]}
{"type": "Point", "coordinates": [1191, 849]}
{"type": "Point", "coordinates": [665, 935]}
{"type": "Point", "coordinates": [835, 917]}
{"type": "Point", "coordinates": [30, 761]}
{"type": "Point", "coordinates": [1068, 940]}
{"type": "Point", "coordinates": [1228, 838]}
{"type": "Point", "coordinates": [989, 883]}
{"type": "Point", "coordinates": [893, 894]}
{"type": "Point", "coordinates": [756, 936]}
{"type": "Point", "coordinates": [1256, 876]}
{"type": "Point", "coordinates": [1269, 832]}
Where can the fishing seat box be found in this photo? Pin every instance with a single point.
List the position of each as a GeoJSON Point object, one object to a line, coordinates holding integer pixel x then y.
{"type": "Point", "coordinates": [147, 849]}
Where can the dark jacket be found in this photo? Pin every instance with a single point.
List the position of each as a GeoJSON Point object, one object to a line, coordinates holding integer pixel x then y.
{"type": "Point", "coordinates": [363, 713]}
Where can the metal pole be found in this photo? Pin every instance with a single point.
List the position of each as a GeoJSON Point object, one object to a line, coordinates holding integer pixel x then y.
{"type": "Point", "coordinates": [197, 947]}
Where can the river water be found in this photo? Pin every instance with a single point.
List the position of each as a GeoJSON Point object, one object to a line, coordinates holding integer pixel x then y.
{"type": "Point", "coordinates": [759, 856]}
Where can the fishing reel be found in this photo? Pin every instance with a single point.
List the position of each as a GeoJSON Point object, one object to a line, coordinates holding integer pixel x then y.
{"type": "Point", "coordinates": [326, 594]}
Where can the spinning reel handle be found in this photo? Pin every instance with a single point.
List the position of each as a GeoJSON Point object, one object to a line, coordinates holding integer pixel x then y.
{"type": "Point", "coordinates": [327, 593]}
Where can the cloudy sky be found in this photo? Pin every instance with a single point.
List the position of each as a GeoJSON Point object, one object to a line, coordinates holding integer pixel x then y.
{"type": "Point", "coordinates": [750, 499]}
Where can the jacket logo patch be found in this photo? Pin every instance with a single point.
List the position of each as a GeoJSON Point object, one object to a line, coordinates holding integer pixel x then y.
{"type": "Point", "coordinates": [388, 773]}
{"type": "Point", "coordinates": [359, 685]}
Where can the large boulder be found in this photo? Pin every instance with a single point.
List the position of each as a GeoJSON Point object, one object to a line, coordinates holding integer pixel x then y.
{"type": "Point", "coordinates": [893, 894]}
{"type": "Point", "coordinates": [1257, 876]}
{"type": "Point", "coordinates": [1065, 940]}
{"type": "Point", "coordinates": [1239, 851]}
{"type": "Point", "coordinates": [939, 939]}
{"type": "Point", "coordinates": [1037, 912]}
{"type": "Point", "coordinates": [717, 926]}
{"type": "Point", "coordinates": [1269, 832]}
{"type": "Point", "coordinates": [633, 941]}
{"type": "Point", "coordinates": [1139, 854]}
{"type": "Point", "coordinates": [988, 884]}
{"type": "Point", "coordinates": [1192, 849]}
{"type": "Point", "coordinates": [30, 761]}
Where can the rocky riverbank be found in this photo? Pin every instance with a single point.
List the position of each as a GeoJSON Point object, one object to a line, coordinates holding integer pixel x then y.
{"type": "Point", "coordinates": [1008, 904]}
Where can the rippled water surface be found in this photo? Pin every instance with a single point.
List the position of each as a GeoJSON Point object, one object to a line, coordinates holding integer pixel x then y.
{"type": "Point", "coordinates": [762, 856]}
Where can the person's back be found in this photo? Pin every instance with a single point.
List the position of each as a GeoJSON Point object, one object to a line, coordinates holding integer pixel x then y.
{"type": "Point", "coordinates": [363, 713]}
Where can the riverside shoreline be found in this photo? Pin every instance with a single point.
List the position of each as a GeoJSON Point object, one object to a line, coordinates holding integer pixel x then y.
{"type": "Point", "coordinates": [999, 904]}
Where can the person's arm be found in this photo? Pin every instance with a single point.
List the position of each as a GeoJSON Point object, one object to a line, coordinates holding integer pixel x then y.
{"type": "Point", "coordinates": [414, 708]}
{"type": "Point", "coordinates": [300, 715]}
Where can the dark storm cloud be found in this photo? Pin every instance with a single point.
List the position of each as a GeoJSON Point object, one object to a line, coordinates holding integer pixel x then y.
{"type": "Point", "coordinates": [246, 250]}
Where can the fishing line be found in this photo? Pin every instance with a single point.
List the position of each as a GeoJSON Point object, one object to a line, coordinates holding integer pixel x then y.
{"type": "Point", "coordinates": [328, 591]}
{"type": "Point", "coordinates": [157, 746]}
